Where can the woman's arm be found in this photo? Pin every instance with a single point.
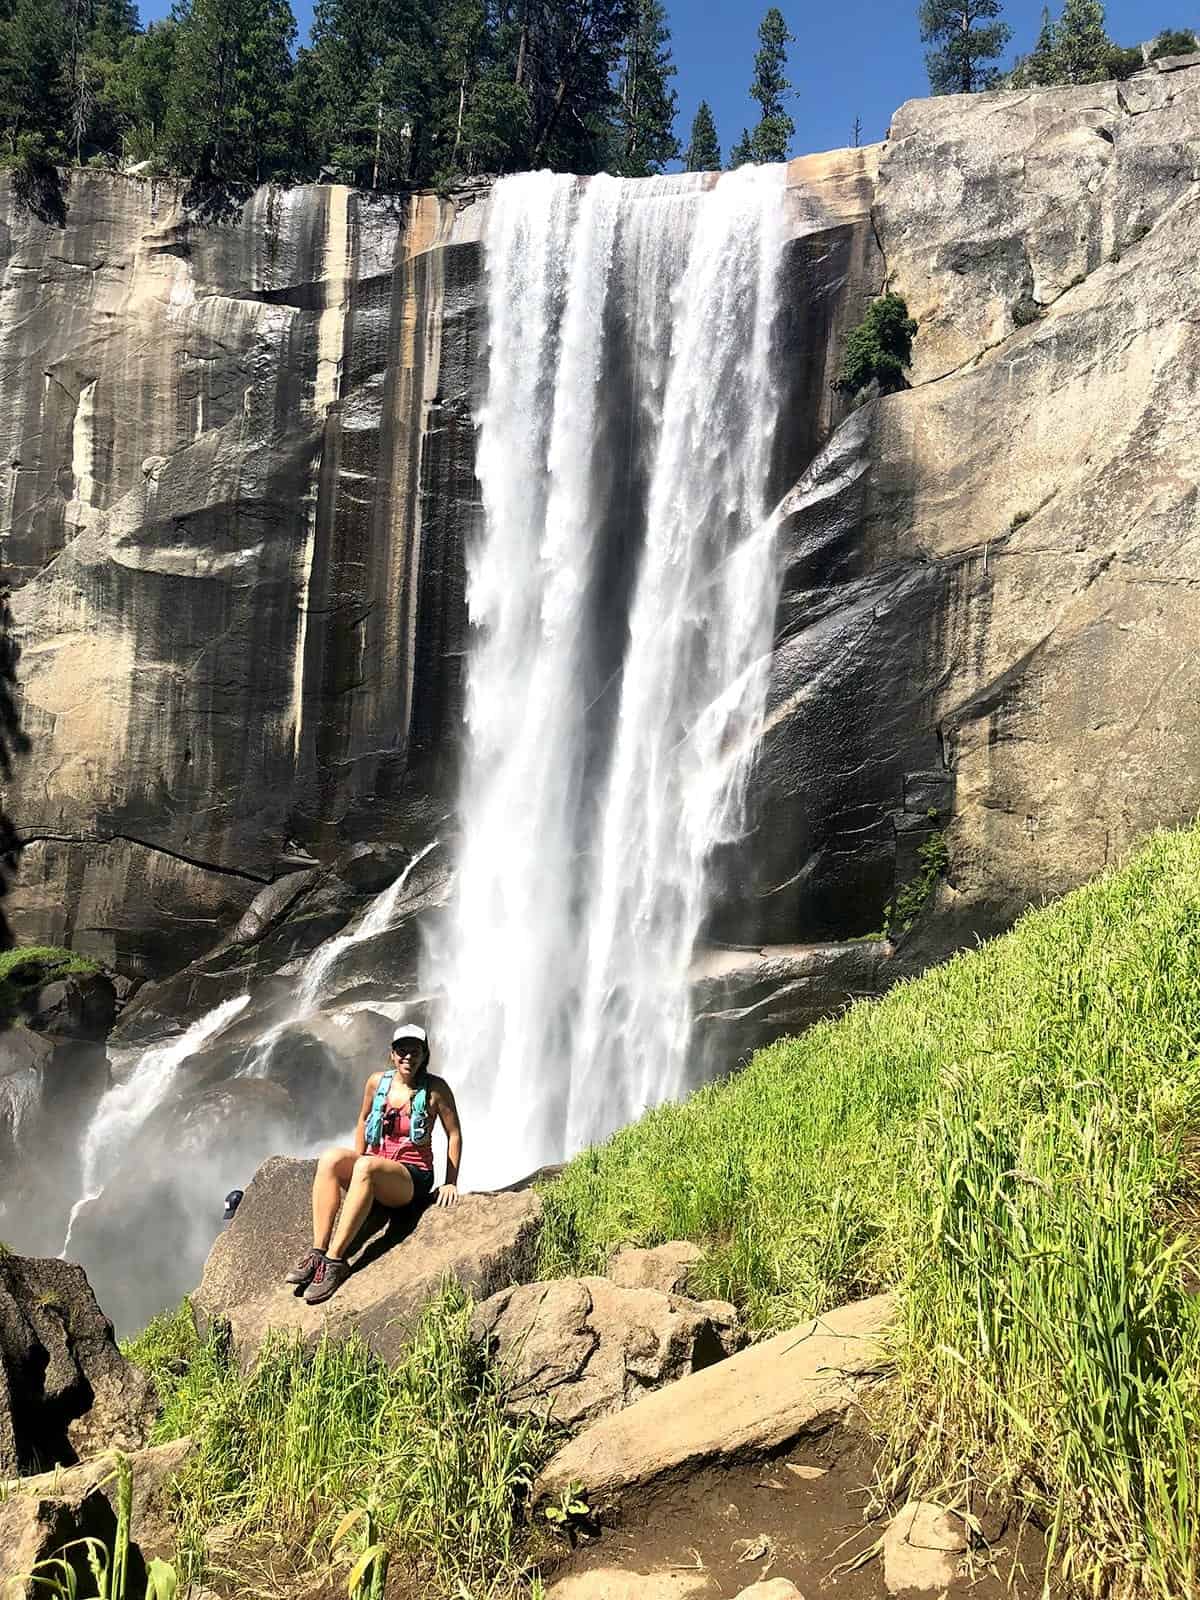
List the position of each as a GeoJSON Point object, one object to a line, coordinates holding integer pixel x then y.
{"type": "Point", "coordinates": [364, 1111]}
{"type": "Point", "coordinates": [448, 1112]}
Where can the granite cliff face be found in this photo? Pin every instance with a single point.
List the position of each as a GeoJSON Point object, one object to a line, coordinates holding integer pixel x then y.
{"type": "Point", "coordinates": [240, 463]}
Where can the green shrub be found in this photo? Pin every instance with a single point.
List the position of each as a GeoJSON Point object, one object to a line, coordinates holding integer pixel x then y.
{"type": "Point", "coordinates": [879, 349]}
{"type": "Point", "coordinates": [1123, 62]}
{"type": "Point", "coordinates": [1173, 42]}
{"type": "Point", "coordinates": [1027, 310]}
{"type": "Point", "coordinates": [933, 854]}
{"type": "Point", "coordinates": [166, 1349]}
{"type": "Point", "coordinates": [27, 968]}
{"type": "Point", "coordinates": [287, 1451]}
{"type": "Point", "coordinates": [1002, 1139]}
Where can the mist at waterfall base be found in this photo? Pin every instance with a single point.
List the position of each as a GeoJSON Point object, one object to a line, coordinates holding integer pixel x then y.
{"type": "Point", "coordinates": [622, 593]}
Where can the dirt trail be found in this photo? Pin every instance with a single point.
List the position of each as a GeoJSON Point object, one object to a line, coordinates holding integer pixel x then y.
{"type": "Point", "coordinates": [816, 1526]}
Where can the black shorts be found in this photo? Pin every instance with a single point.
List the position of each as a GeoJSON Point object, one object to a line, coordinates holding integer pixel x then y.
{"type": "Point", "coordinates": [422, 1181]}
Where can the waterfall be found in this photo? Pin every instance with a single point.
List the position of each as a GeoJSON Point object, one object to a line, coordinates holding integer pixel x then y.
{"type": "Point", "coordinates": [622, 597]}
{"type": "Point", "coordinates": [125, 1107]}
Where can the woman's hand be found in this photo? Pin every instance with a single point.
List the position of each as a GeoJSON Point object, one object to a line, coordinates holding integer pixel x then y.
{"type": "Point", "coordinates": [448, 1194]}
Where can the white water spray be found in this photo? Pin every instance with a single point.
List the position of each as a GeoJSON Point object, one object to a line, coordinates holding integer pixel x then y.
{"type": "Point", "coordinates": [380, 916]}
{"type": "Point", "coordinates": [582, 882]}
{"type": "Point", "coordinates": [125, 1107]}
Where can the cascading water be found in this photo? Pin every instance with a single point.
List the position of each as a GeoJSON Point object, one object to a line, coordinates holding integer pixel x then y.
{"type": "Point", "coordinates": [125, 1107]}
{"type": "Point", "coordinates": [623, 594]}
{"type": "Point", "coordinates": [380, 916]}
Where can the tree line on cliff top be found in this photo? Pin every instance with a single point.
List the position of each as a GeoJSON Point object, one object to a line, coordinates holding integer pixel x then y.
{"type": "Point", "coordinates": [395, 94]}
{"type": "Point", "coordinates": [387, 94]}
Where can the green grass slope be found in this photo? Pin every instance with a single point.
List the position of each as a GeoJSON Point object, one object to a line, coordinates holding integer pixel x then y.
{"type": "Point", "coordinates": [1006, 1140]}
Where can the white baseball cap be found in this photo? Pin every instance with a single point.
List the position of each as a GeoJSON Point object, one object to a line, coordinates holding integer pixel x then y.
{"type": "Point", "coordinates": [410, 1030]}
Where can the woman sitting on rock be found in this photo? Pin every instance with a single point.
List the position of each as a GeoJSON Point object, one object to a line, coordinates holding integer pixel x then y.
{"type": "Point", "coordinates": [392, 1160]}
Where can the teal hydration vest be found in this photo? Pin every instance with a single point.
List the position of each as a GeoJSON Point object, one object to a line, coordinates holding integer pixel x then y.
{"type": "Point", "coordinates": [418, 1112]}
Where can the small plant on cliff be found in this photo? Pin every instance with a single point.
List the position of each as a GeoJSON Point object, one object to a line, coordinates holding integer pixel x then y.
{"type": "Point", "coordinates": [933, 856]}
{"type": "Point", "coordinates": [27, 968]}
{"type": "Point", "coordinates": [107, 1563]}
{"type": "Point", "coordinates": [879, 349]}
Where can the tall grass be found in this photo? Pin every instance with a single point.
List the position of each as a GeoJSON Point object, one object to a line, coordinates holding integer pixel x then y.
{"type": "Point", "coordinates": [1001, 1139]}
{"type": "Point", "coordinates": [419, 1461]}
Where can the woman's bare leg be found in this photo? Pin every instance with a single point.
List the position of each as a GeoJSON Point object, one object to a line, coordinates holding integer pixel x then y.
{"type": "Point", "coordinates": [372, 1178]}
{"type": "Point", "coordinates": [334, 1171]}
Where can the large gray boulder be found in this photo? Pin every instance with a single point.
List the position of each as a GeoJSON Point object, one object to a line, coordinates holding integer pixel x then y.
{"type": "Point", "coordinates": [801, 1382]}
{"type": "Point", "coordinates": [65, 1389]}
{"type": "Point", "coordinates": [665, 1267]}
{"type": "Point", "coordinates": [486, 1242]}
{"type": "Point", "coordinates": [583, 1348]}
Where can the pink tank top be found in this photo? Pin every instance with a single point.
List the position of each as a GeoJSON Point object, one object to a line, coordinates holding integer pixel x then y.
{"type": "Point", "coordinates": [396, 1145]}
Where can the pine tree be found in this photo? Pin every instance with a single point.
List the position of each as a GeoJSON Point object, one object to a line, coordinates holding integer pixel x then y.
{"type": "Point", "coordinates": [1040, 66]}
{"type": "Point", "coordinates": [572, 54]}
{"type": "Point", "coordinates": [136, 92]}
{"type": "Point", "coordinates": [703, 152]}
{"type": "Point", "coordinates": [101, 34]}
{"type": "Point", "coordinates": [967, 38]}
{"type": "Point", "coordinates": [33, 40]}
{"type": "Point", "coordinates": [743, 150]}
{"type": "Point", "coordinates": [373, 63]}
{"type": "Point", "coordinates": [226, 118]}
{"type": "Point", "coordinates": [646, 122]}
{"type": "Point", "coordinates": [771, 89]}
{"type": "Point", "coordinates": [1082, 48]}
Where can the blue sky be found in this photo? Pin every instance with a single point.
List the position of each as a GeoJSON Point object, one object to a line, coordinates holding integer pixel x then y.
{"type": "Point", "coordinates": [851, 58]}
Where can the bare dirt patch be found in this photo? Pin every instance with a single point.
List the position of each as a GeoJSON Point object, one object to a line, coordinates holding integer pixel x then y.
{"type": "Point", "coordinates": [810, 1515]}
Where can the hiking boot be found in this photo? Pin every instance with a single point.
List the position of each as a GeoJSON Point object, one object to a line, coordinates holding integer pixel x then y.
{"type": "Point", "coordinates": [306, 1268]}
{"type": "Point", "coordinates": [327, 1279]}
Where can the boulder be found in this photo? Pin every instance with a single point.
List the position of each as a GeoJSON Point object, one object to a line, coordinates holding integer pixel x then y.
{"type": "Point", "coordinates": [369, 868]}
{"type": "Point", "coordinates": [770, 1589]}
{"type": "Point", "coordinates": [584, 1348]}
{"type": "Point", "coordinates": [43, 1514]}
{"type": "Point", "coordinates": [800, 1382]}
{"type": "Point", "coordinates": [665, 1267]}
{"type": "Point", "coordinates": [65, 1389]}
{"type": "Point", "coordinates": [610, 1583]}
{"type": "Point", "coordinates": [922, 1548]}
{"type": "Point", "coordinates": [486, 1241]}
{"type": "Point", "coordinates": [271, 903]}
{"type": "Point", "coordinates": [81, 1005]}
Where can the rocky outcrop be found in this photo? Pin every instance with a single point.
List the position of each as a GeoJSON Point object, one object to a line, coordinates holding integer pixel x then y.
{"type": "Point", "coordinates": [49, 1514]}
{"type": "Point", "coordinates": [990, 579]}
{"type": "Point", "coordinates": [799, 1382]}
{"type": "Point", "coordinates": [486, 1241]}
{"type": "Point", "coordinates": [583, 1348]}
{"type": "Point", "coordinates": [65, 1389]}
{"type": "Point", "coordinates": [190, 412]}
{"type": "Point", "coordinates": [664, 1267]}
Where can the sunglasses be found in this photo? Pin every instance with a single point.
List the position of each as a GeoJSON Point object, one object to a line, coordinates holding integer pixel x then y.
{"type": "Point", "coordinates": [408, 1048]}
